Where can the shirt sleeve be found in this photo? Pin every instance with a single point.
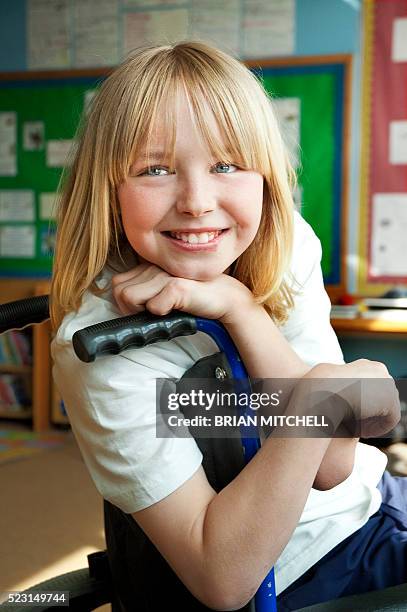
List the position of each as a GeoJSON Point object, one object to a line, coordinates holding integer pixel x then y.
{"type": "Point", "coordinates": [308, 328]}
{"type": "Point", "coordinates": [112, 410]}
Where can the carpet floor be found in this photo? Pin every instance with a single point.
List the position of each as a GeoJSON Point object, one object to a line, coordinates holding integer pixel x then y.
{"type": "Point", "coordinates": [51, 513]}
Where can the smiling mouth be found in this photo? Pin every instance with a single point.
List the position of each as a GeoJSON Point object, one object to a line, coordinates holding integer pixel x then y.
{"type": "Point", "coordinates": [195, 238]}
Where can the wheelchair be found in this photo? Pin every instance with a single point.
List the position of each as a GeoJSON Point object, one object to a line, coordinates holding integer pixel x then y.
{"type": "Point", "coordinates": [91, 587]}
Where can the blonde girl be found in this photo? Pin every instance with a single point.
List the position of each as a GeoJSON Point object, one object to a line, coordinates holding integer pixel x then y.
{"type": "Point", "coordinates": [179, 197]}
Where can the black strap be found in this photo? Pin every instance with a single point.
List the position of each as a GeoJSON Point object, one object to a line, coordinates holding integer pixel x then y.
{"type": "Point", "coordinates": [143, 580]}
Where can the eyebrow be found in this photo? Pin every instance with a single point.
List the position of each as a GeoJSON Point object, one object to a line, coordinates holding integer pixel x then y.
{"type": "Point", "coordinates": [157, 154]}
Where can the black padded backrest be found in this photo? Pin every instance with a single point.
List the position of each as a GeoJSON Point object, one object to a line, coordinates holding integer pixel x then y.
{"type": "Point", "coordinates": [143, 580]}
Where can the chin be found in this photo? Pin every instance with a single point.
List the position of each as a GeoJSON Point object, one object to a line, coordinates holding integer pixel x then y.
{"type": "Point", "coordinates": [198, 274]}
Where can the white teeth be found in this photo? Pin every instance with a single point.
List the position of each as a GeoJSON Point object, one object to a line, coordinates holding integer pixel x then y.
{"type": "Point", "coordinates": [201, 238]}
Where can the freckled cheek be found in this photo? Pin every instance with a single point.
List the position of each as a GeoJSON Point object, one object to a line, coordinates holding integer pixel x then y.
{"type": "Point", "coordinates": [246, 209]}
{"type": "Point", "coordinates": [139, 209]}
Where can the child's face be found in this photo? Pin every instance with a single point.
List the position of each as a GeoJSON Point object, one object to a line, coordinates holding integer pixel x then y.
{"type": "Point", "coordinates": [199, 199]}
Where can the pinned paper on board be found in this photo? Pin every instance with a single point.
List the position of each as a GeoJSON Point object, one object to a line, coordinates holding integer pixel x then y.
{"type": "Point", "coordinates": [47, 241]}
{"type": "Point", "coordinates": [96, 33]}
{"type": "Point", "coordinates": [8, 144]}
{"type": "Point", "coordinates": [47, 205]}
{"type": "Point", "coordinates": [399, 40]}
{"type": "Point", "coordinates": [17, 241]}
{"type": "Point", "coordinates": [33, 135]}
{"type": "Point", "coordinates": [389, 231]}
{"type": "Point", "coordinates": [268, 28]}
{"type": "Point", "coordinates": [58, 153]}
{"type": "Point", "coordinates": [158, 26]}
{"type": "Point", "coordinates": [143, 3]}
{"type": "Point", "coordinates": [217, 22]}
{"type": "Point", "coordinates": [48, 34]}
{"type": "Point", "coordinates": [398, 142]}
{"type": "Point", "coordinates": [288, 111]}
{"type": "Point", "coordinates": [87, 100]}
{"type": "Point", "coordinates": [17, 205]}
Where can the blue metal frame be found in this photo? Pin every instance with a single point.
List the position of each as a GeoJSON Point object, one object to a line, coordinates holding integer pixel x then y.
{"type": "Point", "coordinates": [265, 598]}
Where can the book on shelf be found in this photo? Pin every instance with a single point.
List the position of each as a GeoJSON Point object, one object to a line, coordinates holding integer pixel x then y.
{"type": "Point", "coordinates": [338, 311]}
{"type": "Point", "coordinates": [381, 303]}
{"type": "Point", "coordinates": [15, 348]}
{"type": "Point", "coordinates": [385, 314]}
{"type": "Point", "coordinates": [14, 391]}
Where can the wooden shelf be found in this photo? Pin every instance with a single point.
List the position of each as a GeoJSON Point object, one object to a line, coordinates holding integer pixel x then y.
{"type": "Point", "coordinates": [369, 326]}
{"type": "Point", "coordinates": [11, 368]}
{"type": "Point", "coordinates": [16, 412]}
{"type": "Point", "coordinates": [40, 371]}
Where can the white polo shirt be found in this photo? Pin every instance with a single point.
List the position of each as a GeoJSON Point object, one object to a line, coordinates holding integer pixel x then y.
{"type": "Point", "coordinates": [111, 408]}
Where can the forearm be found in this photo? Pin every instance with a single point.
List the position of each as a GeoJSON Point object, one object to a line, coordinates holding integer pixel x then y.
{"type": "Point", "coordinates": [337, 463]}
{"type": "Point", "coordinates": [248, 524]}
{"type": "Point", "coordinates": [263, 349]}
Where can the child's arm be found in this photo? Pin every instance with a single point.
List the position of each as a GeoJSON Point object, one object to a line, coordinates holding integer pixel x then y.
{"type": "Point", "coordinates": [337, 464]}
{"type": "Point", "coordinates": [223, 545]}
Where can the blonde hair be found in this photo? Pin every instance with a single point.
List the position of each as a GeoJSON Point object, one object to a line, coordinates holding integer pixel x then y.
{"type": "Point", "coordinates": [122, 118]}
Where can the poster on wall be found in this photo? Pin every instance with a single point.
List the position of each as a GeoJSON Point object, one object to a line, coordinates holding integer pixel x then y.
{"type": "Point", "coordinates": [383, 219]}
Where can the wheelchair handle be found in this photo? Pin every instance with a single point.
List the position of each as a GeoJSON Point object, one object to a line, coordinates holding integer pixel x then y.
{"type": "Point", "coordinates": [133, 331]}
{"type": "Point", "coordinates": [20, 313]}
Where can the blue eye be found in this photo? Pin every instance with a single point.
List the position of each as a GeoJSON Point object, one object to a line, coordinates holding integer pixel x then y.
{"type": "Point", "coordinates": [224, 167]}
{"type": "Point", "coordinates": [221, 168]}
{"type": "Point", "coordinates": [151, 171]}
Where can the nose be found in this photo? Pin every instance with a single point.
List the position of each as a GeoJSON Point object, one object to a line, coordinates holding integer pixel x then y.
{"type": "Point", "coordinates": [195, 197]}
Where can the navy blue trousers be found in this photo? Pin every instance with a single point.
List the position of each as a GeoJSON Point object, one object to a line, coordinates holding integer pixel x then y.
{"type": "Point", "coordinates": [375, 557]}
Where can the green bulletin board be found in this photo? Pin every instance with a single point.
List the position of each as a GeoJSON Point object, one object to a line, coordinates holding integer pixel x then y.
{"type": "Point", "coordinates": [320, 85]}
{"type": "Point", "coordinates": [39, 114]}
{"type": "Point", "coordinates": [44, 108]}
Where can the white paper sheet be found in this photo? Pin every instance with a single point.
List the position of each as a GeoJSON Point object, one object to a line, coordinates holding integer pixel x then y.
{"type": "Point", "coordinates": [48, 34]}
{"type": "Point", "coordinates": [288, 111]}
{"type": "Point", "coordinates": [17, 205]}
{"type": "Point", "coordinates": [33, 135]}
{"type": "Point", "coordinates": [398, 142]}
{"type": "Point", "coordinates": [59, 152]}
{"type": "Point", "coordinates": [389, 231]}
{"type": "Point", "coordinates": [47, 241]}
{"type": "Point", "coordinates": [218, 23]}
{"type": "Point", "coordinates": [96, 32]}
{"type": "Point", "coordinates": [47, 205]}
{"type": "Point", "coordinates": [8, 140]}
{"type": "Point", "coordinates": [268, 28]}
{"type": "Point", "coordinates": [160, 26]}
{"type": "Point", "coordinates": [87, 99]}
{"type": "Point", "coordinates": [17, 241]}
{"type": "Point", "coordinates": [399, 40]}
{"type": "Point", "coordinates": [143, 3]}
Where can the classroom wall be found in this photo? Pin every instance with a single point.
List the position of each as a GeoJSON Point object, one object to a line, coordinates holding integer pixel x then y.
{"type": "Point", "coordinates": [322, 27]}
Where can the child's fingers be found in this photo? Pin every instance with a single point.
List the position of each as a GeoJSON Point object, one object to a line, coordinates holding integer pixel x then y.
{"type": "Point", "coordinates": [163, 302]}
{"type": "Point", "coordinates": [177, 293]}
{"type": "Point", "coordinates": [131, 295]}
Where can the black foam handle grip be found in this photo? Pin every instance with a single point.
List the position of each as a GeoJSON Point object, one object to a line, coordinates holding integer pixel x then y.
{"type": "Point", "coordinates": [134, 331]}
{"type": "Point", "coordinates": [18, 314]}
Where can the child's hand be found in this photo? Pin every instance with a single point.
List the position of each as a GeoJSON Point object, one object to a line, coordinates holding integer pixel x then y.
{"type": "Point", "coordinates": [149, 287]}
{"type": "Point", "coordinates": [369, 390]}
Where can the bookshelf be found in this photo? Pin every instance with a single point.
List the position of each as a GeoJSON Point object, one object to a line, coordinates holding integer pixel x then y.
{"type": "Point", "coordinates": [15, 378]}
{"type": "Point", "coordinates": [44, 405]}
